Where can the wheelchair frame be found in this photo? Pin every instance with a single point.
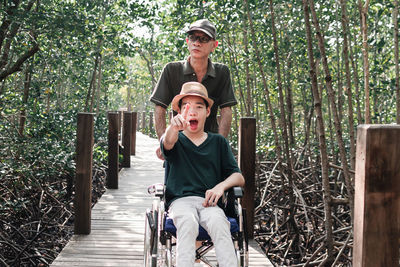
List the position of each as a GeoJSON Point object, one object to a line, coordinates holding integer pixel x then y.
{"type": "Point", "coordinates": [159, 244]}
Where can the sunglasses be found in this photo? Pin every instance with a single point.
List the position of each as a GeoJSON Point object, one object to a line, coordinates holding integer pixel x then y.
{"type": "Point", "coordinates": [202, 38]}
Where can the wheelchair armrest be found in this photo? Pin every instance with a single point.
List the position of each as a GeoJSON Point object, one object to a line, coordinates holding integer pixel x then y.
{"type": "Point", "coordinates": [234, 192]}
{"type": "Point", "coordinates": [237, 191]}
{"type": "Point", "coordinates": [231, 200]}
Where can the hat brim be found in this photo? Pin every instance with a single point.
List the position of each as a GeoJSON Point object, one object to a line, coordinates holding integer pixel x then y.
{"type": "Point", "coordinates": [177, 98]}
{"type": "Point", "coordinates": [202, 30]}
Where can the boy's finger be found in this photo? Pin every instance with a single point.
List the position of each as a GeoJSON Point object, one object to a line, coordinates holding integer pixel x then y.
{"type": "Point", "coordinates": [207, 198]}
{"type": "Point", "coordinates": [185, 111]}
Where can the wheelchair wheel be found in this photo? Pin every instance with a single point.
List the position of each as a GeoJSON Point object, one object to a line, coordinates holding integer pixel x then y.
{"type": "Point", "coordinates": [244, 243]}
{"type": "Point", "coordinates": [243, 255]}
{"type": "Point", "coordinates": [147, 234]}
{"type": "Point", "coordinates": [151, 237]}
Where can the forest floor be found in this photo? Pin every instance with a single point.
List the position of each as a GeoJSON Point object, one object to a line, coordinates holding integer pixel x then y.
{"type": "Point", "coordinates": [36, 218]}
{"type": "Point", "coordinates": [289, 218]}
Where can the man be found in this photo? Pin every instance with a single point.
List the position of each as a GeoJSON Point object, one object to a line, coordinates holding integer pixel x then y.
{"type": "Point", "coordinates": [201, 41]}
{"type": "Point", "coordinates": [202, 167]}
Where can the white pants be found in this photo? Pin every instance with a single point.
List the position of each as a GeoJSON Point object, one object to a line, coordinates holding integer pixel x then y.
{"type": "Point", "coordinates": [187, 213]}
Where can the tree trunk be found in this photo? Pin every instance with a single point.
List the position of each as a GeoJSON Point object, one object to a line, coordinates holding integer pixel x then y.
{"type": "Point", "coordinates": [321, 136]}
{"type": "Point", "coordinates": [27, 85]}
{"type": "Point", "coordinates": [331, 95]}
{"type": "Point", "coordinates": [375, 78]}
{"type": "Point", "coordinates": [396, 57]}
{"type": "Point", "coordinates": [356, 79]}
{"type": "Point", "coordinates": [97, 63]}
{"type": "Point", "coordinates": [99, 79]}
{"type": "Point", "coordinates": [128, 98]}
{"type": "Point", "coordinates": [289, 100]}
{"type": "Point", "coordinates": [149, 62]}
{"type": "Point", "coordinates": [340, 97]}
{"type": "Point", "coordinates": [235, 74]}
{"type": "Point", "coordinates": [278, 148]}
{"type": "Point", "coordinates": [92, 84]}
{"type": "Point", "coordinates": [246, 65]}
{"type": "Point", "coordinates": [282, 121]}
{"type": "Point", "coordinates": [364, 30]}
{"type": "Point", "coordinates": [348, 84]}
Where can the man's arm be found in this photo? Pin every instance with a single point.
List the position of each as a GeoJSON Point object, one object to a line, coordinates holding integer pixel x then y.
{"type": "Point", "coordinates": [214, 194]}
{"type": "Point", "coordinates": [226, 120]}
{"type": "Point", "coordinates": [159, 118]}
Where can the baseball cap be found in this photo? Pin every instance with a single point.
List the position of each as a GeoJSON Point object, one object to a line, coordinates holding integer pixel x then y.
{"type": "Point", "coordinates": [205, 26]}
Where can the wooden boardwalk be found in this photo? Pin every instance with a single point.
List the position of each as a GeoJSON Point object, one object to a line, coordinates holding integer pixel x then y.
{"type": "Point", "coordinates": [117, 222]}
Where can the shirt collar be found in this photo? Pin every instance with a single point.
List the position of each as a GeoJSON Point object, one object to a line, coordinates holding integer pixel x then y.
{"type": "Point", "coordinates": [188, 70]}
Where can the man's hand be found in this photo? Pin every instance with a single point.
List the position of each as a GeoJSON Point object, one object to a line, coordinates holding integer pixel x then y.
{"type": "Point", "coordinates": [213, 195]}
{"type": "Point", "coordinates": [159, 153]}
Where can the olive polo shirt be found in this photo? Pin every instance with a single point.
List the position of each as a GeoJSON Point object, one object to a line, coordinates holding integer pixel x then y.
{"type": "Point", "coordinates": [195, 169]}
{"type": "Point", "coordinates": [217, 80]}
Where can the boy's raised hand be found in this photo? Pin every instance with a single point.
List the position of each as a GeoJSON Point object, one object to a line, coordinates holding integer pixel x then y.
{"type": "Point", "coordinates": [179, 122]}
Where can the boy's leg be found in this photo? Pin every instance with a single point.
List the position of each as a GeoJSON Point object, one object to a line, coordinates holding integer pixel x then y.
{"type": "Point", "coordinates": [214, 220]}
{"type": "Point", "coordinates": [184, 214]}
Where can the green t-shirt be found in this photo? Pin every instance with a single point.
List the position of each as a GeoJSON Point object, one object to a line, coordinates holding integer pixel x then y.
{"type": "Point", "coordinates": [195, 169]}
{"type": "Point", "coordinates": [217, 80]}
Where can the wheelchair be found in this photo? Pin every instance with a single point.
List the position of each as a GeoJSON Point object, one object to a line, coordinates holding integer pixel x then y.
{"type": "Point", "coordinates": [160, 233]}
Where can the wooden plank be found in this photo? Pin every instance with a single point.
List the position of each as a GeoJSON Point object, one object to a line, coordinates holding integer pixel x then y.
{"type": "Point", "coordinates": [116, 237]}
{"type": "Point", "coordinates": [377, 196]}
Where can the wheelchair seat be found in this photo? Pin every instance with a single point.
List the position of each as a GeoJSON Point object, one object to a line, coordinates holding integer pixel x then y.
{"type": "Point", "coordinates": [203, 235]}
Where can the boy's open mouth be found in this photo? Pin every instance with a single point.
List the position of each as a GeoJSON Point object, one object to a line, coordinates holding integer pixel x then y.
{"type": "Point", "coordinates": [193, 124]}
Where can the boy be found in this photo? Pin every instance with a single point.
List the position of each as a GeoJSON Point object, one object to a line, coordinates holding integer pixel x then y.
{"type": "Point", "coordinates": [201, 168]}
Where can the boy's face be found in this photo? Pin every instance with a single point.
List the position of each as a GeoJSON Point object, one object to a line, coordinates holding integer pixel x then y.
{"type": "Point", "coordinates": [197, 113]}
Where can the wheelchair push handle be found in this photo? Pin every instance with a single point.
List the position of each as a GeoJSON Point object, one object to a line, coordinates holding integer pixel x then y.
{"type": "Point", "coordinates": [156, 189]}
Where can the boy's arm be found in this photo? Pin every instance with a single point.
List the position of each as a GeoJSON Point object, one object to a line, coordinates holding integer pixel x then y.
{"type": "Point", "coordinates": [214, 194]}
{"type": "Point", "coordinates": [170, 138]}
{"type": "Point", "coordinates": [178, 123]}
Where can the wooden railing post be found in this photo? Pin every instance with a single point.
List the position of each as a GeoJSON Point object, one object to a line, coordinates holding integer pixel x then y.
{"type": "Point", "coordinates": [150, 123]}
{"type": "Point", "coordinates": [138, 121]}
{"type": "Point", "coordinates": [113, 150]}
{"type": "Point", "coordinates": [133, 140]}
{"type": "Point", "coordinates": [377, 196]}
{"type": "Point", "coordinates": [83, 179]}
{"type": "Point", "coordinates": [126, 139]}
{"type": "Point", "coordinates": [143, 121]}
{"type": "Point", "coordinates": [119, 125]}
{"type": "Point", "coordinates": [247, 161]}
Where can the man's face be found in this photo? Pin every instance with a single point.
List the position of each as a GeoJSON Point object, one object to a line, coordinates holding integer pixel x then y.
{"type": "Point", "coordinates": [197, 113]}
{"type": "Point", "coordinates": [198, 49]}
